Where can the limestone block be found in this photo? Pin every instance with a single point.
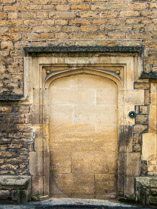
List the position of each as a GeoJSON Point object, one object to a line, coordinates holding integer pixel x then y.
{"type": "Point", "coordinates": [143, 109]}
{"type": "Point", "coordinates": [15, 188]}
{"type": "Point", "coordinates": [152, 119]}
{"type": "Point", "coordinates": [136, 148]}
{"type": "Point", "coordinates": [140, 128]}
{"type": "Point", "coordinates": [146, 190]}
{"type": "Point", "coordinates": [125, 138]}
{"type": "Point", "coordinates": [135, 97]}
{"type": "Point", "coordinates": [149, 146]}
{"type": "Point", "coordinates": [69, 184]}
{"type": "Point", "coordinates": [141, 85]}
{"type": "Point", "coordinates": [93, 162]}
{"type": "Point", "coordinates": [141, 119]}
{"type": "Point", "coordinates": [33, 163]}
{"type": "Point", "coordinates": [133, 166]}
{"type": "Point", "coordinates": [4, 194]}
{"type": "Point", "coordinates": [137, 139]}
{"type": "Point", "coordinates": [105, 185]}
{"type": "Point", "coordinates": [129, 187]}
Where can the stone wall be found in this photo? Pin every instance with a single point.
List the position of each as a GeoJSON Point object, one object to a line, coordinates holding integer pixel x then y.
{"type": "Point", "coordinates": [16, 139]}
{"type": "Point", "coordinates": [71, 22]}
{"type": "Point", "coordinates": [33, 23]}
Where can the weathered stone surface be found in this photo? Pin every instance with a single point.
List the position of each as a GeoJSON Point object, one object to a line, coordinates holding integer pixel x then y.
{"type": "Point", "coordinates": [64, 27]}
{"type": "Point", "coordinates": [146, 190]}
{"type": "Point", "coordinates": [15, 188]}
{"type": "Point", "coordinates": [4, 194]}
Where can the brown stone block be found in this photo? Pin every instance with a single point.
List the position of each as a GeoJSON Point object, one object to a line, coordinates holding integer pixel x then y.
{"type": "Point", "coordinates": [7, 45]}
{"type": "Point", "coordinates": [107, 42]}
{"type": "Point", "coordinates": [122, 162]}
{"type": "Point", "coordinates": [60, 162]}
{"type": "Point", "coordinates": [79, 21]}
{"type": "Point", "coordinates": [33, 163]}
{"type": "Point", "coordinates": [15, 7]}
{"type": "Point", "coordinates": [46, 29]}
{"type": "Point", "coordinates": [4, 194]}
{"type": "Point", "coordinates": [3, 15]}
{"type": "Point", "coordinates": [125, 139]}
{"type": "Point", "coordinates": [139, 85]}
{"type": "Point", "coordinates": [138, 6]}
{"type": "Point", "coordinates": [133, 167]}
{"type": "Point", "coordinates": [27, 15]}
{"type": "Point", "coordinates": [62, 22]}
{"type": "Point", "coordinates": [116, 35]}
{"type": "Point", "coordinates": [105, 184]}
{"type": "Point", "coordinates": [99, 6]}
{"type": "Point", "coordinates": [140, 128]}
{"type": "Point", "coordinates": [106, 144]}
{"type": "Point", "coordinates": [147, 97]}
{"type": "Point", "coordinates": [121, 185]}
{"type": "Point", "coordinates": [129, 186]}
{"type": "Point", "coordinates": [93, 162]}
{"type": "Point", "coordinates": [137, 148]}
{"type": "Point", "coordinates": [42, 15]}
{"type": "Point", "coordinates": [10, 36]}
{"type": "Point", "coordinates": [35, 7]}
{"type": "Point", "coordinates": [47, 36]}
{"type": "Point", "coordinates": [137, 139]}
{"type": "Point", "coordinates": [68, 184]}
{"type": "Point", "coordinates": [62, 15]}
{"type": "Point", "coordinates": [83, 145]}
{"type": "Point", "coordinates": [80, 6]}
{"type": "Point", "coordinates": [153, 5]}
{"type": "Point", "coordinates": [88, 28]}
{"type": "Point", "coordinates": [141, 119]}
{"type": "Point", "coordinates": [75, 1]}
{"type": "Point", "coordinates": [105, 14]}
{"type": "Point", "coordinates": [49, 7]}
{"type": "Point", "coordinates": [61, 35]}
{"type": "Point", "coordinates": [12, 15]}
{"type": "Point", "coordinates": [89, 14]}
{"type": "Point", "coordinates": [62, 7]}
{"type": "Point", "coordinates": [37, 185]}
{"type": "Point", "coordinates": [129, 14]}
{"type": "Point", "coordinates": [143, 109]}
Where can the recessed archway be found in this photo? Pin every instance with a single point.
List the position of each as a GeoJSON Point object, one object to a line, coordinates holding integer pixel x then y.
{"type": "Point", "coordinates": [83, 125]}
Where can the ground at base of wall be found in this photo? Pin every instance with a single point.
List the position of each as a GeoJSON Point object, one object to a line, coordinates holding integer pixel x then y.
{"type": "Point", "coordinates": [68, 203]}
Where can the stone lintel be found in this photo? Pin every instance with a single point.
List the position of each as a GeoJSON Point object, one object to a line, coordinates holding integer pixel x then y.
{"type": "Point", "coordinates": [68, 49]}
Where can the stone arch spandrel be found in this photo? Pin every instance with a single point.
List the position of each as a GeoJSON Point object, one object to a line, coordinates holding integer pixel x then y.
{"type": "Point", "coordinates": [102, 73]}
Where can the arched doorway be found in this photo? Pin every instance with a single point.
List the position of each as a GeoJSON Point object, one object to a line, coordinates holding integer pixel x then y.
{"type": "Point", "coordinates": [83, 136]}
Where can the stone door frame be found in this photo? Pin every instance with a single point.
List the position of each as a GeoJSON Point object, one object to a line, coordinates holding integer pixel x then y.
{"type": "Point", "coordinates": [42, 68]}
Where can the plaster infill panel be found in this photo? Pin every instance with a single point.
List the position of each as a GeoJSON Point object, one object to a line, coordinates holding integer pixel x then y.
{"type": "Point", "coordinates": [78, 105]}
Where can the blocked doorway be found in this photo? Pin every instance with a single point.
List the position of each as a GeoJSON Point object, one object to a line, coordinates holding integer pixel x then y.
{"type": "Point", "coordinates": [46, 73]}
{"type": "Point", "coordinates": [83, 137]}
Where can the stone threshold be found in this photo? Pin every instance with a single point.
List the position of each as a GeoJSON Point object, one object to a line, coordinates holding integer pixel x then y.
{"type": "Point", "coordinates": [70, 203]}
